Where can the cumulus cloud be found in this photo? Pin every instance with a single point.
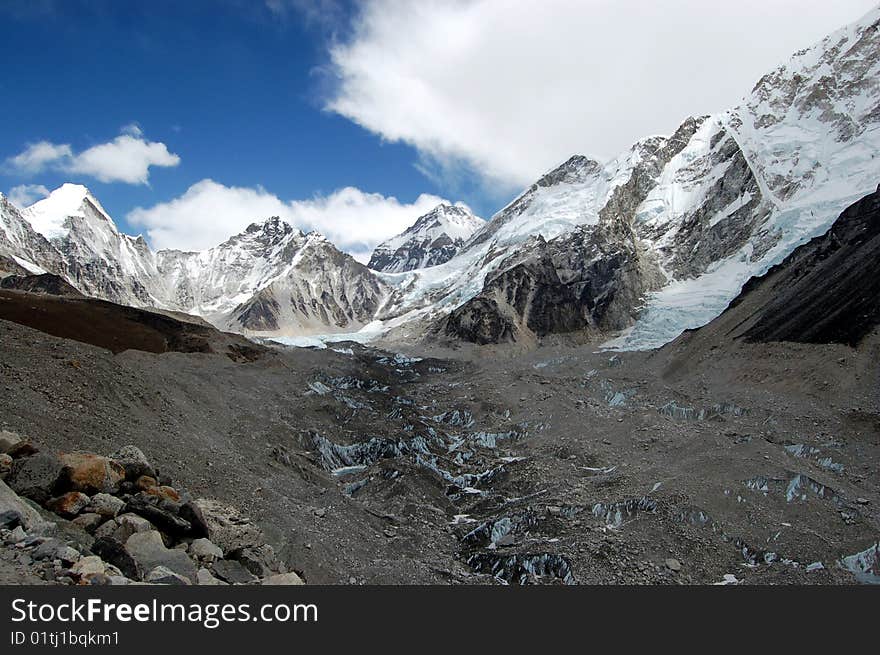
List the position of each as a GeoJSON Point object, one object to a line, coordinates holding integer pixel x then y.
{"type": "Point", "coordinates": [127, 158]}
{"type": "Point", "coordinates": [36, 157]}
{"type": "Point", "coordinates": [209, 212]}
{"type": "Point", "coordinates": [24, 195]}
{"type": "Point", "coordinates": [511, 88]}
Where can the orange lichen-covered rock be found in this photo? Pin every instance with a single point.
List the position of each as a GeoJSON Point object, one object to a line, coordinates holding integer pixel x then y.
{"type": "Point", "coordinates": [69, 504]}
{"type": "Point", "coordinates": [90, 473]}
{"type": "Point", "coordinates": [166, 492]}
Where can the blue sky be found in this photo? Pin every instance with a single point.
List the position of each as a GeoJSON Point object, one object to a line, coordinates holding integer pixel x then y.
{"type": "Point", "coordinates": [231, 88]}
{"type": "Point", "coordinates": [354, 118]}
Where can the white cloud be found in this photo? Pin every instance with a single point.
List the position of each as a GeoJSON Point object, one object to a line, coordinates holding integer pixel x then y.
{"type": "Point", "coordinates": [512, 88]}
{"type": "Point", "coordinates": [38, 156]}
{"type": "Point", "coordinates": [127, 158]}
{"type": "Point", "coordinates": [209, 212]}
{"type": "Point", "coordinates": [24, 195]}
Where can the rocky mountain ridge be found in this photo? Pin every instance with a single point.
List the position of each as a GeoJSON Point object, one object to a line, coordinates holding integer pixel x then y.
{"type": "Point", "coordinates": [269, 278]}
{"type": "Point", "coordinates": [433, 239]}
{"type": "Point", "coordinates": [655, 241]}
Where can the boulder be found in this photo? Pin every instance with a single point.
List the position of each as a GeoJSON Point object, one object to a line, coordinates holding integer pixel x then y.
{"type": "Point", "coordinates": [68, 505]}
{"type": "Point", "coordinates": [232, 572]}
{"type": "Point", "coordinates": [205, 550]}
{"type": "Point", "coordinates": [88, 566]}
{"type": "Point", "coordinates": [204, 577]}
{"type": "Point", "coordinates": [5, 466]}
{"type": "Point", "coordinates": [90, 473]}
{"type": "Point", "coordinates": [105, 505]}
{"type": "Point", "coordinates": [163, 519]}
{"type": "Point", "coordinates": [134, 462]}
{"type": "Point", "coordinates": [36, 477]}
{"type": "Point", "coordinates": [148, 549]}
{"type": "Point", "coordinates": [189, 511]}
{"type": "Point", "coordinates": [259, 560]}
{"type": "Point", "coordinates": [225, 526]}
{"type": "Point", "coordinates": [164, 575]}
{"type": "Point", "coordinates": [89, 522]}
{"type": "Point", "coordinates": [130, 524]}
{"type": "Point", "coordinates": [15, 511]}
{"type": "Point", "coordinates": [8, 440]}
{"type": "Point", "coordinates": [16, 536]}
{"type": "Point", "coordinates": [115, 553]}
{"type": "Point", "coordinates": [283, 579]}
{"type": "Point", "coordinates": [52, 549]}
{"type": "Point", "coordinates": [107, 529]}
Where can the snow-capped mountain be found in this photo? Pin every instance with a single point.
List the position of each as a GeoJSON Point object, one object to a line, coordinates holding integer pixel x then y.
{"type": "Point", "coordinates": [655, 241]}
{"type": "Point", "coordinates": [21, 246]}
{"type": "Point", "coordinates": [667, 233]}
{"type": "Point", "coordinates": [271, 279]}
{"type": "Point", "coordinates": [321, 290]}
{"type": "Point", "coordinates": [97, 258]}
{"type": "Point", "coordinates": [433, 239]}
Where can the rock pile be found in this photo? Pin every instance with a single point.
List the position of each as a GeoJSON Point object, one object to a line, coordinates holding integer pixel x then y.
{"type": "Point", "coordinates": [83, 518]}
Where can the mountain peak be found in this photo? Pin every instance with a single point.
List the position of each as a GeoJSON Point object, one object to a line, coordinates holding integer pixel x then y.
{"type": "Point", "coordinates": [576, 168]}
{"type": "Point", "coordinates": [272, 225]}
{"type": "Point", "coordinates": [50, 215]}
{"type": "Point", "coordinates": [433, 239]}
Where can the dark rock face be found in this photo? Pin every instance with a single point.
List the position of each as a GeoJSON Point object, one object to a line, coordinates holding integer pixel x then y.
{"type": "Point", "coordinates": [260, 313]}
{"type": "Point", "coordinates": [48, 283]}
{"type": "Point", "coordinates": [827, 290]}
{"type": "Point", "coordinates": [480, 321]}
{"type": "Point", "coordinates": [703, 237]}
{"type": "Point", "coordinates": [590, 278]}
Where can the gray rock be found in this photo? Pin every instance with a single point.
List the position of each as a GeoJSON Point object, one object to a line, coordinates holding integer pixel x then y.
{"type": "Point", "coordinates": [134, 462]}
{"type": "Point", "coordinates": [227, 527]}
{"type": "Point", "coordinates": [107, 529]}
{"type": "Point", "coordinates": [17, 535]}
{"type": "Point", "coordinates": [68, 555]}
{"type": "Point", "coordinates": [148, 549]}
{"type": "Point", "coordinates": [130, 524]}
{"type": "Point", "coordinates": [204, 577]}
{"type": "Point", "coordinates": [88, 566]}
{"type": "Point", "coordinates": [259, 560]}
{"type": "Point", "coordinates": [105, 505]}
{"type": "Point", "coordinates": [15, 511]}
{"type": "Point", "coordinates": [8, 440]}
{"type": "Point", "coordinates": [115, 553]}
{"type": "Point", "coordinates": [205, 550]}
{"type": "Point", "coordinates": [88, 521]}
{"type": "Point", "coordinates": [35, 477]}
{"type": "Point", "coordinates": [48, 550]}
{"type": "Point", "coordinates": [232, 572]}
{"type": "Point", "coordinates": [284, 579]}
{"type": "Point", "coordinates": [165, 520]}
{"type": "Point", "coordinates": [164, 575]}
{"type": "Point", "coordinates": [673, 564]}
